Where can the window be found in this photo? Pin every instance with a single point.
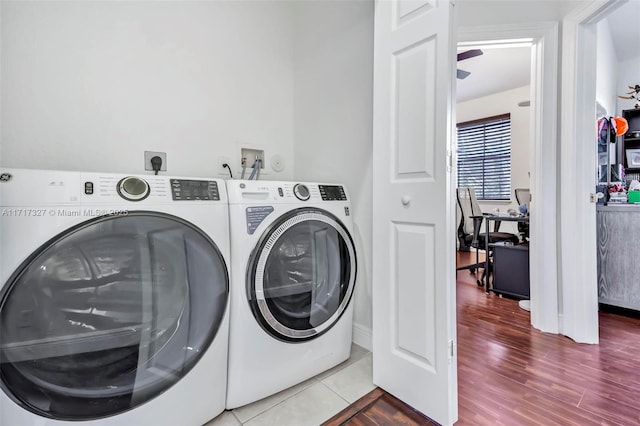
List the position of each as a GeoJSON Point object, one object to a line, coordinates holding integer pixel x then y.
{"type": "Point", "coordinates": [484, 157]}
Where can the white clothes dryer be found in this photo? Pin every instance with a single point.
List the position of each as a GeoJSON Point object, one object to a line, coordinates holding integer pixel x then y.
{"type": "Point", "coordinates": [293, 275]}
{"type": "Point", "coordinates": [114, 299]}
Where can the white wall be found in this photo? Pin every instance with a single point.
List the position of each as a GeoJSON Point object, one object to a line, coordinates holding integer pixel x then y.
{"type": "Point", "coordinates": [472, 13]}
{"type": "Point", "coordinates": [606, 69]}
{"type": "Point", "coordinates": [502, 103]}
{"type": "Point", "coordinates": [628, 75]}
{"type": "Point", "coordinates": [333, 118]}
{"type": "Point", "coordinates": [91, 85]}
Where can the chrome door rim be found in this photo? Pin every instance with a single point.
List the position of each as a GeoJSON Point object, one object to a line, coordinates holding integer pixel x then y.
{"type": "Point", "coordinates": [260, 267]}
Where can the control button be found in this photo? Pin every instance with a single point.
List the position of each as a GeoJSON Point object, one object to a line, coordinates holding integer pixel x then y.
{"type": "Point", "coordinates": [280, 192]}
{"type": "Point", "coordinates": [133, 188]}
{"type": "Point", "coordinates": [88, 188]}
{"type": "Point", "coordinates": [301, 192]}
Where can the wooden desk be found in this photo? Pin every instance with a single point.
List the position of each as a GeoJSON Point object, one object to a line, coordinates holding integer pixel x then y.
{"type": "Point", "coordinates": [489, 217]}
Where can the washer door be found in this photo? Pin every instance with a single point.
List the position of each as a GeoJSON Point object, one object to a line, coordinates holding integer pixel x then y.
{"type": "Point", "coordinates": [109, 314]}
{"type": "Point", "coordinates": [301, 275]}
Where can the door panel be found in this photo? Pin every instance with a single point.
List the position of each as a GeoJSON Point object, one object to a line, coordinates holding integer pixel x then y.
{"type": "Point", "coordinates": [413, 219]}
{"type": "Point", "coordinates": [414, 298]}
{"type": "Point", "coordinates": [409, 9]}
{"type": "Point", "coordinates": [301, 275]}
{"type": "Point", "coordinates": [414, 116]}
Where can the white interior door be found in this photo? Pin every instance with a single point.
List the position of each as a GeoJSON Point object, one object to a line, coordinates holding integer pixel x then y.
{"type": "Point", "coordinates": [413, 240]}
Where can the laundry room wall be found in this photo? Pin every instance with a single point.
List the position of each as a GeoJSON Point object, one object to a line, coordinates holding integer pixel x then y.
{"type": "Point", "coordinates": [92, 85]}
{"type": "Point", "coordinates": [333, 74]}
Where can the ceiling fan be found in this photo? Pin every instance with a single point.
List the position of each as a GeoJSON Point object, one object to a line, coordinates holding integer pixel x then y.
{"type": "Point", "coordinates": [461, 74]}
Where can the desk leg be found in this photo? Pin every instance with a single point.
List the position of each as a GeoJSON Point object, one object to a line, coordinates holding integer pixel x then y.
{"type": "Point", "coordinates": [486, 255]}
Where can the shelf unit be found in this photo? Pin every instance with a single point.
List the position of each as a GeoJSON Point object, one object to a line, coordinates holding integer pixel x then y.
{"type": "Point", "coordinates": [630, 140]}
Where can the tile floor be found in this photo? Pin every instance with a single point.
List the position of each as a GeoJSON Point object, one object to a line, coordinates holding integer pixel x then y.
{"type": "Point", "coordinates": [309, 403]}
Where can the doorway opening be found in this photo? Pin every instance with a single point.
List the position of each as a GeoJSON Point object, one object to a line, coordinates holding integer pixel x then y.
{"type": "Point", "coordinates": [542, 39]}
{"type": "Point", "coordinates": [494, 149]}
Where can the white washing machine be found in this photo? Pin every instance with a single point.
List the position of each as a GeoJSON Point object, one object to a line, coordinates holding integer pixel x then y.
{"type": "Point", "coordinates": [114, 299]}
{"type": "Point", "coordinates": [293, 274]}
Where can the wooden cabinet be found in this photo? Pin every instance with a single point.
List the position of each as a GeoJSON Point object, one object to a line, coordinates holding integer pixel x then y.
{"type": "Point", "coordinates": [631, 141]}
{"type": "Point", "coordinates": [618, 244]}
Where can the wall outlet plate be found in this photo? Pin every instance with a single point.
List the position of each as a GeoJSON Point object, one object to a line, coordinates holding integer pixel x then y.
{"type": "Point", "coordinates": [148, 155]}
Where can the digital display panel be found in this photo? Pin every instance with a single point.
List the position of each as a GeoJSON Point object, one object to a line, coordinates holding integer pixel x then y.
{"type": "Point", "coordinates": [182, 189]}
{"type": "Point", "coordinates": [332, 193]}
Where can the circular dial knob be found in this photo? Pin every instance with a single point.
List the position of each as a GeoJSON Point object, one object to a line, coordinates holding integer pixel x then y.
{"type": "Point", "coordinates": [301, 192]}
{"type": "Point", "coordinates": [133, 189]}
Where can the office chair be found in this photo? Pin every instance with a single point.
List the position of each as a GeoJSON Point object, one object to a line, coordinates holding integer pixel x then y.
{"type": "Point", "coordinates": [469, 230]}
{"type": "Point", "coordinates": [523, 197]}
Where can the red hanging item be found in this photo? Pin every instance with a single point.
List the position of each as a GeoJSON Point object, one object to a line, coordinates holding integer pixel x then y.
{"type": "Point", "coordinates": [622, 126]}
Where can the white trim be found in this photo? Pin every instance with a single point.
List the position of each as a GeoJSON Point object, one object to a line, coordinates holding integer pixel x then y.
{"type": "Point", "coordinates": [544, 112]}
{"type": "Point", "coordinates": [578, 272]}
{"type": "Point", "coordinates": [362, 336]}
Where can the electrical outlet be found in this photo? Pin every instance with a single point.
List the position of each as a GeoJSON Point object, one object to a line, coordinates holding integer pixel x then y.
{"type": "Point", "coordinates": [221, 169]}
{"type": "Point", "coordinates": [148, 155]}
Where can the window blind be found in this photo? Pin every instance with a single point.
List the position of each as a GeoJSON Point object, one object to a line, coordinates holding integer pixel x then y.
{"type": "Point", "coordinates": [484, 157]}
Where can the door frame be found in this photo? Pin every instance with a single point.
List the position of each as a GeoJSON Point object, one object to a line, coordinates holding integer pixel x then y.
{"type": "Point", "coordinates": [578, 269]}
{"type": "Point", "coordinates": [544, 136]}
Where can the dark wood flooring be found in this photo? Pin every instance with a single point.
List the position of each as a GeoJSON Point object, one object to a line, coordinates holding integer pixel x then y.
{"type": "Point", "coordinates": [378, 408]}
{"type": "Point", "coordinates": [511, 374]}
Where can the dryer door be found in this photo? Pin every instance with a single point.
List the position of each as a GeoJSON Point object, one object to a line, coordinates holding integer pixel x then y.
{"type": "Point", "coordinates": [301, 275]}
{"type": "Point", "coordinates": [109, 314]}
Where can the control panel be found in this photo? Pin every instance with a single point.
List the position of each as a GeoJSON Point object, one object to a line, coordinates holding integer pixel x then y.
{"type": "Point", "coordinates": [332, 193]}
{"type": "Point", "coordinates": [183, 189]}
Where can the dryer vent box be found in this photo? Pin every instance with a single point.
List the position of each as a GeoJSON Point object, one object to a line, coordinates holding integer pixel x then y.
{"type": "Point", "coordinates": [251, 155]}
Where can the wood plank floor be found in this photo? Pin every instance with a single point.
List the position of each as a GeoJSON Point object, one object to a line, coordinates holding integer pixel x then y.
{"type": "Point", "coordinates": [511, 374]}
{"type": "Point", "coordinates": [378, 408]}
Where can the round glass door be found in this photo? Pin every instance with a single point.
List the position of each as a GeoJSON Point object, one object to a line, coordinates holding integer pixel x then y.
{"type": "Point", "coordinates": [109, 314]}
{"type": "Point", "coordinates": [302, 275]}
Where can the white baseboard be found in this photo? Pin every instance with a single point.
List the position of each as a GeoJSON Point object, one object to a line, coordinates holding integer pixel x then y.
{"type": "Point", "coordinates": [362, 336]}
{"type": "Point", "coordinates": [561, 324]}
